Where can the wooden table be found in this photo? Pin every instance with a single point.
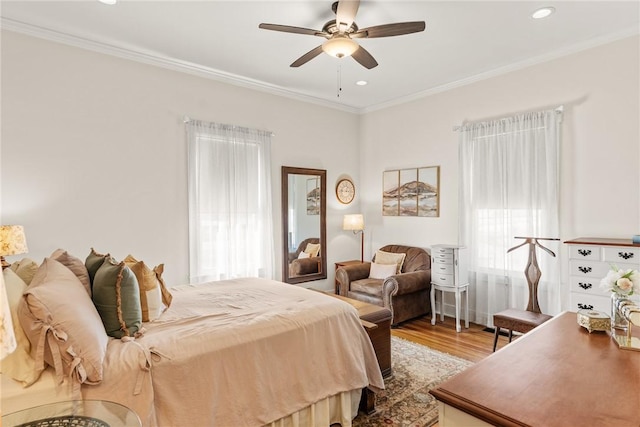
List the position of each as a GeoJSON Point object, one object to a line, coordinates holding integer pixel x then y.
{"type": "Point", "coordinates": [556, 375]}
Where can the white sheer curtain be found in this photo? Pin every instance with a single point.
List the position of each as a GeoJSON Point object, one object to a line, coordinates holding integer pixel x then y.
{"type": "Point", "coordinates": [230, 219]}
{"type": "Point", "coordinates": [509, 186]}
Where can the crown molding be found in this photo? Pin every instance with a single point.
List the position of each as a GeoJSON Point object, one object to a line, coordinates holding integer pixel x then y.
{"type": "Point", "coordinates": [559, 53]}
{"type": "Point", "coordinates": [155, 59]}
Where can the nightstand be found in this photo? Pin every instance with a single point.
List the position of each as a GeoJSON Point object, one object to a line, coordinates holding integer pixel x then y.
{"type": "Point", "coordinates": [344, 264]}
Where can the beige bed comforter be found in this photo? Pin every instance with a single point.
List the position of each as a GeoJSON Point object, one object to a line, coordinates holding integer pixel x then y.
{"type": "Point", "coordinates": [249, 351]}
{"type": "Point", "coordinates": [233, 353]}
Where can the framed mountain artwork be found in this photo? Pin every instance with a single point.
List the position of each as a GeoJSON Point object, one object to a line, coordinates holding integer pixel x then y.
{"type": "Point", "coordinates": [411, 192]}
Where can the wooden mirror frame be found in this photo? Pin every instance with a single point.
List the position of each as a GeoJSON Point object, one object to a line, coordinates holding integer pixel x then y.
{"type": "Point", "coordinates": [322, 174]}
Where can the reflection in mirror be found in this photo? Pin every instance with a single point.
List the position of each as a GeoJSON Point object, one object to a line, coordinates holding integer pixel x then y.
{"type": "Point", "coordinates": [304, 224]}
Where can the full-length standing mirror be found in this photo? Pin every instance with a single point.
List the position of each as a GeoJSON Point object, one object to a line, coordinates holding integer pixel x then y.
{"type": "Point", "coordinates": [304, 237]}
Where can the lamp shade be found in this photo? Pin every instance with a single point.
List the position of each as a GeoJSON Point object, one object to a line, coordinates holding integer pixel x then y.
{"type": "Point", "coordinates": [353, 222]}
{"type": "Point", "coordinates": [12, 240]}
{"type": "Point", "coordinates": [340, 46]}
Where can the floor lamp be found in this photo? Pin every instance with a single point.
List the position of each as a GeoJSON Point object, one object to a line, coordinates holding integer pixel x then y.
{"type": "Point", "coordinates": [355, 223]}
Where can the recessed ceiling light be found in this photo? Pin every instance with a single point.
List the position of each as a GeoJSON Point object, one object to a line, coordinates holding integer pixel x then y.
{"type": "Point", "coordinates": [543, 12]}
{"type": "Point", "coordinates": [109, 2]}
{"type": "Point", "coordinates": [362, 82]}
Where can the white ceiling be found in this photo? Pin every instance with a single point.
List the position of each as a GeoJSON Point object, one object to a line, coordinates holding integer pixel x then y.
{"type": "Point", "coordinates": [463, 40]}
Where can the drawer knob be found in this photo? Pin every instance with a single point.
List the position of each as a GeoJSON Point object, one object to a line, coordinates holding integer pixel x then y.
{"type": "Point", "coordinates": [625, 255]}
{"type": "Point", "coordinates": [584, 252]}
{"type": "Point", "coordinates": [585, 306]}
{"type": "Point", "coordinates": [585, 286]}
{"type": "Point", "coordinates": [585, 270]}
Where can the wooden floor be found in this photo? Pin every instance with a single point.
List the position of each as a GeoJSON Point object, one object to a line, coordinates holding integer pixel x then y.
{"type": "Point", "coordinates": [472, 344]}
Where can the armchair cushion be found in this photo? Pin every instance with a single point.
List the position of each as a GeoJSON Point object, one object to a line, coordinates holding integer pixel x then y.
{"type": "Point", "coordinates": [382, 271]}
{"type": "Point", "coordinates": [396, 259]}
{"type": "Point", "coordinates": [313, 249]}
{"type": "Point", "coordinates": [303, 246]}
{"type": "Point", "coordinates": [368, 286]}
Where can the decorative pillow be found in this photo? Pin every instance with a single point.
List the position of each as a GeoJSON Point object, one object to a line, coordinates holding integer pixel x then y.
{"type": "Point", "coordinates": [57, 314]}
{"type": "Point", "coordinates": [116, 295]}
{"type": "Point", "coordinates": [75, 265]}
{"type": "Point", "coordinates": [25, 268]}
{"type": "Point", "coordinates": [312, 249]}
{"type": "Point", "coordinates": [154, 296]}
{"type": "Point", "coordinates": [303, 255]}
{"type": "Point", "coordinates": [8, 343]}
{"type": "Point", "coordinates": [93, 262]}
{"type": "Point", "coordinates": [381, 271]}
{"type": "Point", "coordinates": [383, 257]}
{"type": "Point", "coordinates": [19, 364]}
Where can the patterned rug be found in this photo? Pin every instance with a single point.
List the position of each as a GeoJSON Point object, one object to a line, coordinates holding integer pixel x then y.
{"type": "Point", "coordinates": [406, 400]}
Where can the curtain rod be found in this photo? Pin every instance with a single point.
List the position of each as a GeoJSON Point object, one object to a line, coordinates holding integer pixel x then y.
{"type": "Point", "coordinates": [187, 119]}
{"type": "Point", "coordinates": [558, 110]}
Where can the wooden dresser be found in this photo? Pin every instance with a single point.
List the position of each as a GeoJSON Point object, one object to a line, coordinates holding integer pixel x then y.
{"type": "Point", "coordinates": [559, 374]}
{"type": "Point", "coordinates": [590, 258]}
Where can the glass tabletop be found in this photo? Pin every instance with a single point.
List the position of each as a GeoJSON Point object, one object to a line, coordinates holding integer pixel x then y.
{"type": "Point", "coordinates": [76, 413]}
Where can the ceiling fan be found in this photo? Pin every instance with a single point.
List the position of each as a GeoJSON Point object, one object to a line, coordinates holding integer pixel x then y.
{"type": "Point", "coordinates": [341, 32]}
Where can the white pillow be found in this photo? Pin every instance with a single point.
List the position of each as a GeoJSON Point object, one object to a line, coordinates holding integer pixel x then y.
{"type": "Point", "coordinates": [383, 257]}
{"type": "Point", "coordinates": [381, 271]}
{"type": "Point", "coordinates": [304, 255]}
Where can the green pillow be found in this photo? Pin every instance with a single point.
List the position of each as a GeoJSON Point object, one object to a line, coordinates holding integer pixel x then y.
{"type": "Point", "coordinates": [116, 295]}
{"type": "Point", "coordinates": [93, 263]}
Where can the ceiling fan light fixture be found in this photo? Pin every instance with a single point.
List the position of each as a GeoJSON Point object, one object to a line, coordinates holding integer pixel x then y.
{"type": "Point", "coordinates": [340, 46]}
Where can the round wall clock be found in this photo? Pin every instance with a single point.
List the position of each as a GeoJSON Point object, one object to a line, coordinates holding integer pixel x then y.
{"type": "Point", "coordinates": [345, 191]}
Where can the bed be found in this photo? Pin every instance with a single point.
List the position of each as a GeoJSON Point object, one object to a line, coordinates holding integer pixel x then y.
{"type": "Point", "coordinates": [244, 352]}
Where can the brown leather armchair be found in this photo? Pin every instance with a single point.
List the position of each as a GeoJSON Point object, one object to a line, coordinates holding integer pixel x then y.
{"type": "Point", "coordinates": [406, 294]}
{"type": "Point", "coordinates": [302, 266]}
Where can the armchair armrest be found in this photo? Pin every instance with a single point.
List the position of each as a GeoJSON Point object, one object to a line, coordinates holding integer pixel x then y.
{"type": "Point", "coordinates": [406, 283]}
{"type": "Point", "coordinates": [349, 273]}
{"type": "Point", "coordinates": [302, 266]}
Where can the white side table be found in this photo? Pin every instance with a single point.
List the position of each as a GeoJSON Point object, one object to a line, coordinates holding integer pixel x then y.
{"type": "Point", "coordinates": [449, 273]}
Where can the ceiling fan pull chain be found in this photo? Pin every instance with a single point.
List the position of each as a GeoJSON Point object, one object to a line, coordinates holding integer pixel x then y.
{"type": "Point", "coordinates": [339, 81]}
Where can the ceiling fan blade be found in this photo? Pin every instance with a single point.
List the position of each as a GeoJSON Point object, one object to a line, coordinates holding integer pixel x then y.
{"type": "Point", "coordinates": [346, 14]}
{"type": "Point", "coordinates": [389, 30]}
{"type": "Point", "coordinates": [364, 58]}
{"type": "Point", "coordinates": [295, 30]}
{"type": "Point", "coordinates": [307, 57]}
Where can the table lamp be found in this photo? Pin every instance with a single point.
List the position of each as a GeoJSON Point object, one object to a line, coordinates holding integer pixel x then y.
{"type": "Point", "coordinates": [355, 223]}
{"type": "Point", "coordinates": [12, 242]}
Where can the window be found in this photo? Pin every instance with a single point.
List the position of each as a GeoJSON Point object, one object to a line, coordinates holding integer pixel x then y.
{"type": "Point", "coordinates": [509, 184]}
{"type": "Point", "coordinates": [230, 221]}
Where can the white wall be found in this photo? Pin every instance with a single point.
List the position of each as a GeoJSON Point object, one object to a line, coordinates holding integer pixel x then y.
{"type": "Point", "coordinates": [94, 152]}
{"type": "Point", "coordinates": [600, 156]}
{"type": "Point", "coordinates": [600, 90]}
{"type": "Point", "coordinates": [93, 149]}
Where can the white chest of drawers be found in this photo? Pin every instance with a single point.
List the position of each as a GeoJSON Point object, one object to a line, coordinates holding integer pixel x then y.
{"type": "Point", "coordinates": [589, 261]}
{"type": "Point", "coordinates": [449, 273]}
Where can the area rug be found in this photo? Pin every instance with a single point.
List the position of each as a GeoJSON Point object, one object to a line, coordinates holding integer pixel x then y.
{"type": "Point", "coordinates": [406, 400]}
